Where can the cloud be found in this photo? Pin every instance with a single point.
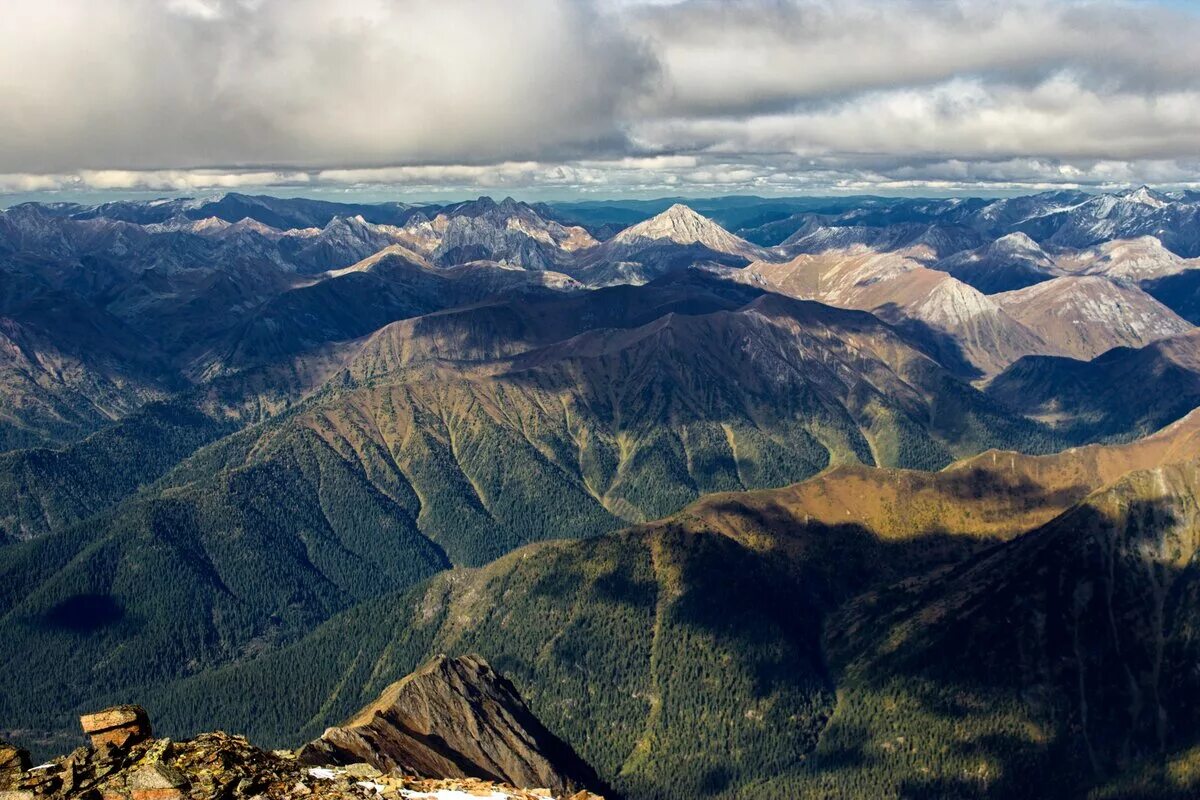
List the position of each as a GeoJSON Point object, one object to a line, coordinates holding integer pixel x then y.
{"type": "Point", "coordinates": [126, 84]}
{"type": "Point", "coordinates": [727, 57]}
{"type": "Point", "coordinates": [596, 95]}
{"type": "Point", "coordinates": [173, 180]}
{"type": "Point", "coordinates": [969, 118]}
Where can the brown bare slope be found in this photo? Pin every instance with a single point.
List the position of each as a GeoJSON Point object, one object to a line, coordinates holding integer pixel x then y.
{"type": "Point", "coordinates": [1086, 315]}
{"type": "Point", "coordinates": [995, 494]}
{"type": "Point", "coordinates": [455, 718]}
{"type": "Point", "coordinates": [959, 323]}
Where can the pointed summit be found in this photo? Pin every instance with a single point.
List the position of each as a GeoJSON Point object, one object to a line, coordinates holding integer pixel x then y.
{"type": "Point", "coordinates": [1018, 242]}
{"type": "Point", "coordinates": [455, 718]}
{"type": "Point", "coordinates": [682, 225]}
{"type": "Point", "coordinates": [1146, 196]}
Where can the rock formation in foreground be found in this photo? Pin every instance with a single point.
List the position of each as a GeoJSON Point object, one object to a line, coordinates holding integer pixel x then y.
{"type": "Point", "coordinates": [455, 718]}
{"type": "Point", "coordinates": [453, 730]}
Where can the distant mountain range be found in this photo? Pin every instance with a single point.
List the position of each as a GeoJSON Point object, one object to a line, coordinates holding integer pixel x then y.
{"type": "Point", "coordinates": [743, 468]}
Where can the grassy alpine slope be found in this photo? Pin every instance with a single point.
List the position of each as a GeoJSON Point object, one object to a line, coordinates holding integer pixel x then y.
{"type": "Point", "coordinates": [770, 643]}
{"type": "Point", "coordinates": [435, 454]}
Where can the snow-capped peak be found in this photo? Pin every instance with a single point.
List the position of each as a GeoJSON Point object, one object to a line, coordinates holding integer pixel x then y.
{"type": "Point", "coordinates": [1017, 242]}
{"type": "Point", "coordinates": [1146, 196]}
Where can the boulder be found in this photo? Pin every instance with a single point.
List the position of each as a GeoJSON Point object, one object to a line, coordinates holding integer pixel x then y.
{"type": "Point", "coordinates": [157, 781]}
{"type": "Point", "coordinates": [119, 726]}
{"type": "Point", "coordinates": [13, 763]}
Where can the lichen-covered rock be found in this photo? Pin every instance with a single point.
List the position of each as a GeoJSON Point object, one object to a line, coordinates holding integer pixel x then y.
{"type": "Point", "coordinates": [217, 766]}
{"type": "Point", "coordinates": [157, 781]}
{"type": "Point", "coordinates": [13, 762]}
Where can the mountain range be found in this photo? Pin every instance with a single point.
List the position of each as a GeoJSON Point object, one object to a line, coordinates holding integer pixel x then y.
{"type": "Point", "coordinates": [726, 483]}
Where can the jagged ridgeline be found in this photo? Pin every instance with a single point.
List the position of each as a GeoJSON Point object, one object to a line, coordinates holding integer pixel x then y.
{"type": "Point", "coordinates": [453, 729]}
{"type": "Point", "coordinates": [275, 454]}
{"type": "Point", "coordinates": [451, 439]}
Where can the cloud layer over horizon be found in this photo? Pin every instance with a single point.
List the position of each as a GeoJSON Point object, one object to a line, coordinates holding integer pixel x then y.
{"type": "Point", "coordinates": [599, 96]}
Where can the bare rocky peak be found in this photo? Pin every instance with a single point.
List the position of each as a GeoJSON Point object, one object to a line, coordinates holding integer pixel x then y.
{"type": "Point", "coordinates": [952, 303]}
{"type": "Point", "coordinates": [508, 232]}
{"type": "Point", "coordinates": [449, 702]}
{"type": "Point", "coordinates": [1137, 259]}
{"type": "Point", "coordinates": [1146, 196]}
{"type": "Point", "coordinates": [682, 225]}
{"type": "Point", "coordinates": [1089, 314]}
{"type": "Point", "coordinates": [455, 718]}
{"type": "Point", "coordinates": [1017, 243]}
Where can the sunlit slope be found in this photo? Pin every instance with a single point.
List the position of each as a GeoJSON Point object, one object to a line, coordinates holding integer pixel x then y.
{"type": "Point", "coordinates": [705, 633]}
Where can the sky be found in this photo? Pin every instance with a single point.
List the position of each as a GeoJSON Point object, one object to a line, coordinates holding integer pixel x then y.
{"type": "Point", "coordinates": [596, 98]}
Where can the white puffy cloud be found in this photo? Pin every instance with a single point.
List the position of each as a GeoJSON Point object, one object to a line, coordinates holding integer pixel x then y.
{"type": "Point", "coordinates": [597, 95]}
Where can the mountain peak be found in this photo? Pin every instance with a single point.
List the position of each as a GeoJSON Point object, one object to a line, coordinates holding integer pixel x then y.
{"type": "Point", "coordinates": [1015, 242]}
{"type": "Point", "coordinates": [1146, 196]}
{"type": "Point", "coordinates": [682, 225]}
{"type": "Point", "coordinates": [345, 223]}
{"type": "Point", "coordinates": [454, 718]}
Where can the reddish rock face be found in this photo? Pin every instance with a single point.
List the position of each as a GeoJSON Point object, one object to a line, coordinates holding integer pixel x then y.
{"type": "Point", "coordinates": [120, 726]}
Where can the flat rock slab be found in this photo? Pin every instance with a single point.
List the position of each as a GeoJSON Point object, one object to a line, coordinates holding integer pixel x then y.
{"type": "Point", "coordinates": [119, 725]}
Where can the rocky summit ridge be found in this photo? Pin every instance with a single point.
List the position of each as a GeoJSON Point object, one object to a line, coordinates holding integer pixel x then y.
{"type": "Point", "coordinates": [453, 729]}
{"type": "Point", "coordinates": [457, 718]}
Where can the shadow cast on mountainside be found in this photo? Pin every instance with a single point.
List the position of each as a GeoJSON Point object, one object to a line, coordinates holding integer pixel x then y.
{"type": "Point", "coordinates": [938, 345]}
{"type": "Point", "coordinates": [770, 594]}
{"type": "Point", "coordinates": [810, 654]}
{"type": "Point", "coordinates": [84, 614]}
{"type": "Point", "coordinates": [1022, 492]}
{"type": "Point", "coordinates": [1039, 667]}
{"type": "Point", "coordinates": [963, 667]}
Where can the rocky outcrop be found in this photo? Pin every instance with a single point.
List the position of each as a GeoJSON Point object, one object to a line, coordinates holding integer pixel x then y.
{"type": "Point", "coordinates": [453, 729]}
{"type": "Point", "coordinates": [120, 726]}
{"type": "Point", "coordinates": [13, 763]}
{"type": "Point", "coordinates": [217, 766]}
{"type": "Point", "coordinates": [455, 718]}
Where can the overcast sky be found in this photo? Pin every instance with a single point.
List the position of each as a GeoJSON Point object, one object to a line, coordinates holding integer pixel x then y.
{"type": "Point", "coordinates": [597, 97]}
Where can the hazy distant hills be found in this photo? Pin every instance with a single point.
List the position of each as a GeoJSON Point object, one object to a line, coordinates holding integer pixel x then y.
{"type": "Point", "coordinates": [237, 425]}
{"type": "Point", "coordinates": [240, 306]}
